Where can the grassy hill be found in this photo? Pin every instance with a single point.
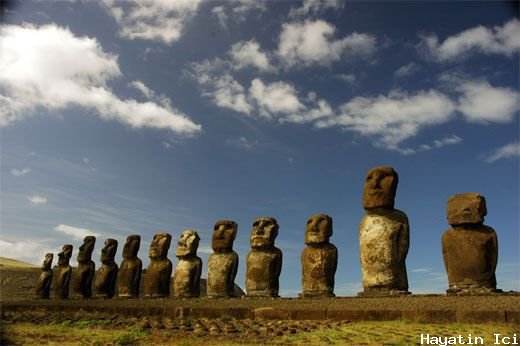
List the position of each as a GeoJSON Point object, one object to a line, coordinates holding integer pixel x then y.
{"type": "Point", "coordinates": [12, 263]}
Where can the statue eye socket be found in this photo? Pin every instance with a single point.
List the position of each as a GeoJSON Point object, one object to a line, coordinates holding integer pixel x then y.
{"type": "Point", "coordinates": [256, 224]}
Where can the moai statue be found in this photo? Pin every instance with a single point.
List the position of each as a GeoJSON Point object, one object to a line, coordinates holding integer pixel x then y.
{"type": "Point", "coordinates": [43, 284]}
{"type": "Point", "coordinates": [86, 268]}
{"type": "Point", "coordinates": [384, 236]}
{"type": "Point", "coordinates": [107, 274]}
{"type": "Point", "coordinates": [469, 248]}
{"type": "Point", "coordinates": [264, 262]}
{"type": "Point", "coordinates": [159, 272]}
{"type": "Point", "coordinates": [129, 276]}
{"type": "Point", "coordinates": [223, 262]}
{"type": "Point", "coordinates": [61, 284]}
{"type": "Point", "coordinates": [186, 280]}
{"type": "Point", "coordinates": [319, 258]}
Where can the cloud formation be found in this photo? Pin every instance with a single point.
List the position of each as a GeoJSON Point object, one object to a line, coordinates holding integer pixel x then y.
{"type": "Point", "coordinates": [156, 20]}
{"type": "Point", "coordinates": [313, 43]}
{"type": "Point", "coordinates": [19, 172]}
{"type": "Point", "coordinates": [236, 10]}
{"type": "Point", "coordinates": [407, 70]}
{"type": "Point", "coordinates": [501, 40]}
{"type": "Point", "coordinates": [312, 7]}
{"type": "Point", "coordinates": [75, 232]}
{"type": "Point", "coordinates": [37, 200]}
{"type": "Point", "coordinates": [391, 119]}
{"type": "Point", "coordinates": [28, 251]}
{"type": "Point", "coordinates": [248, 53]}
{"type": "Point", "coordinates": [49, 68]}
{"type": "Point", "coordinates": [507, 151]}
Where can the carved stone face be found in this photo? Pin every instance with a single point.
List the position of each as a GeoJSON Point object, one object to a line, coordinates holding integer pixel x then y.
{"type": "Point", "coordinates": [224, 234]}
{"type": "Point", "coordinates": [188, 243]}
{"type": "Point", "coordinates": [160, 245]}
{"type": "Point", "coordinates": [466, 208]}
{"type": "Point", "coordinates": [47, 261]}
{"type": "Point", "coordinates": [265, 231]}
{"type": "Point", "coordinates": [109, 251]}
{"type": "Point", "coordinates": [380, 187]}
{"type": "Point", "coordinates": [85, 250]}
{"type": "Point", "coordinates": [65, 255]}
{"type": "Point", "coordinates": [319, 229]}
{"type": "Point", "coordinates": [131, 246]}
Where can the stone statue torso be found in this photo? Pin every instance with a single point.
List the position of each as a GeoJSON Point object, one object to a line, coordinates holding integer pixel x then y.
{"type": "Point", "coordinates": [263, 271]}
{"type": "Point", "coordinates": [61, 288]}
{"type": "Point", "coordinates": [43, 284]}
{"type": "Point", "coordinates": [318, 268]}
{"type": "Point", "coordinates": [84, 278]}
{"type": "Point", "coordinates": [470, 256]}
{"type": "Point", "coordinates": [384, 242]}
{"type": "Point", "coordinates": [157, 280]}
{"type": "Point", "coordinates": [106, 280]}
{"type": "Point", "coordinates": [186, 280]}
{"type": "Point", "coordinates": [222, 269]}
{"type": "Point", "coordinates": [129, 277]}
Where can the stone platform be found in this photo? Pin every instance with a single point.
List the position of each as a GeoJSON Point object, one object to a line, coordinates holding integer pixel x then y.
{"type": "Point", "coordinates": [504, 308]}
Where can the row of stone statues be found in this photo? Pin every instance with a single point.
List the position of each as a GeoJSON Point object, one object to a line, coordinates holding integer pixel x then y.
{"type": "Point", "coordinates": [469, 250]}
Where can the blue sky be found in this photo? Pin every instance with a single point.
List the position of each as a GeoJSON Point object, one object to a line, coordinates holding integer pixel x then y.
{"type": "Point", "coordinates": [138, 117]}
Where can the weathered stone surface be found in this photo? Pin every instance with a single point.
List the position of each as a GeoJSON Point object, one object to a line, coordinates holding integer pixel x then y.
{"type": "Point", "coordinates": [380, 188]}
{"type": "Point", "coordinates": [466, 208]}
{"type": "Point", "coordinates": [86, 268]}
{"type": "Point", "coordinates": [61, 284]}
{"type": "Point", "coordinates": [384, 241]}
{"type": "Point", "coordinates": [384, 236]}
{"type": "Point", "coordinates": [43, 284]}
{"type": "Point", "coordinates": [186, 280]}
{"type": "Point", "coordinates": [469, 249]}
{"type": "Point", "coordinates": [129, 275]}
{"type": "Point", "coordinates": [223, 262]}
{"type": "Point", "coordinates": [264, 262]}
{"type": "Point", "coordinates": [107, 274]}
{"type": "Point", "coordinates": [319, 258]}
{"type": "Point", "coordinates": [157, 280]}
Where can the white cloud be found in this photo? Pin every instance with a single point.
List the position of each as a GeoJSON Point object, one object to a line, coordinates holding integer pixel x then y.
{"type": "Point", "coordinates": [27, 251]}
{"type": "Point", "coordinates": [439, 143]}
{"type": "Point", "coordinates": [314, 7]}
{"type": "Point", "coordinates": [407, 70]}
{"type": "Point", "coordinates": [482, 102]}
{"type": "Point", "coordinates": [347, 78]}
{"type": "Point", "coordinates": [241, 143]}
{"type": "Point", "coordinates": [20, 172]}
{"type": "Point", "coordinates": [237, 10]}
{"type": "Point", "coordinates": [75, 232]}
{"type": "Point", "coordinates": [50, 68]}
{"type": "Point", "coordinates": [37, 200]}
{"type": "Point", "coordinates": [141, 87]}
{"type": "Point", "coordinates": [222, 17]}
{"type": "Point", "coordinates": [499, 40]}
{"type": "Point", "coordinates": [156, 20]}
{"type": "Point", "coordinates": [313, 42]}
{"type": "Point", "coordinates": [391, 119]}
{"type": "Point", "coordinates": [507, 151]}
{"type": "Point", "coordinates": [277, 97]}
{"type": "Point", "coordinates": [248, 53]}
{"type": "Point", "coordinates": [218, 84]}
{"type": "Point", "coordinates": [421, 270]}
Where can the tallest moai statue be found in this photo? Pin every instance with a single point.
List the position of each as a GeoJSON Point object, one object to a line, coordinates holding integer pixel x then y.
{"type": "Point", "coordinates": [384, 236]}
{"type": "Point", "coordinates": [469, 248]}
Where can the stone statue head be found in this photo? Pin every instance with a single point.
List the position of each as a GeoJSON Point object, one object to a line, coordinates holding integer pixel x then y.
{"type": "Point", "coordinates": [108, 251]}
{"type": "Point", "coordinates": [224, 233]}
{"type": "Point", "coordinates": [188, 243]}
{"type": "Point", "coordinates": [319, 229]}
{"type": "Point", "coordinates": [132, 246]}
{"type": "Point", "coordinates": [47, 261]}
{"type": "Point", "coordinates": [65, 255]}
{"type": "Point", "coordinates": [85, 250]}
{"type": "Point", "coordinates": [160, 245]}
{"type": "Point", "coordinates": [466, 208]}
{"type": "Point", "coordinates": [380, 187]}
{"type": "Point", "coordinates": [265, 231]}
